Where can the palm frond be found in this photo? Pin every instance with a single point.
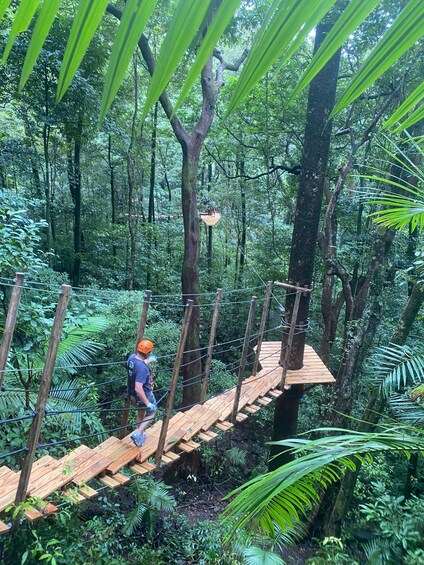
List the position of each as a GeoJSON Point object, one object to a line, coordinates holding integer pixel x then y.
{"type": "Point", "coordinates": [257, 556]}
{"type": "Point", "coordinates": [396, 366]}
{"type": "Point", "coordinates": [407, 409]}
{"type": "Point", "coordinates": [282, 496]}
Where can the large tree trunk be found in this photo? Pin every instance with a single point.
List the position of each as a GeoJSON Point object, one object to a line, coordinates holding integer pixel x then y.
{"type": "Point", "coordinates": [190, 268]}
{"type": "Point", "coordinates": [321, 98]}
{"type": "Point", "coordinates": [74, 176]}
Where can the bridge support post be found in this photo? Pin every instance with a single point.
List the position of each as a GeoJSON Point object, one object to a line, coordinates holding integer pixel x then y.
{"type": "Point", "coordinates": [9, 326]}
{"type": "Point", "coordinates": [140, 333]}
{"type": "Point", "coordinates": [243, 358]}
{"type": "Point", "coordinates": [211, 344]}
{"type": "Point", "coordinates": [286, 349]}
{"type": "Point", "coordinates": [40, 407]}
{"type": "Point", "coordinates": [262, 326]}
{"type": "Point", "coordinates": [173, 383]}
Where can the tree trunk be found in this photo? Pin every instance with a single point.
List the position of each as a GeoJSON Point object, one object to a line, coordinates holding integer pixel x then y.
{"type": "Point", "coordinates": [112, 189]}
{"type": "Point", "coordinates": [321, 98]}
{"type": "Point", "coordinates": [74, 177]}
{"type": "Point", "coordinates": [190, 269]}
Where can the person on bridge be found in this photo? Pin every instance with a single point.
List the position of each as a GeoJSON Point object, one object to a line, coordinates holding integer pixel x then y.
{"type": "Point", "coordinates": [140, 385]}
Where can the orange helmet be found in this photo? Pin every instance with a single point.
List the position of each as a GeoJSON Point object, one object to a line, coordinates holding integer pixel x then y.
{"type": "Point", "coordinates": [145, 346]}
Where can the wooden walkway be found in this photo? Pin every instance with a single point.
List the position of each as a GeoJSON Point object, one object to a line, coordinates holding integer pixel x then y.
{"type": "Point", "coordinates": [73, 473]}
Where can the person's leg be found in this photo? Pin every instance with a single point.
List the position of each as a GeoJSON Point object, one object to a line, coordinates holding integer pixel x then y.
{"type": "Point", "coordinates": [146, 420]}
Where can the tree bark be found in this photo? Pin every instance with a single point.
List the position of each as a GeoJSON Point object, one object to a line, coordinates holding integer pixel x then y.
{"type": "Point", "coordinates": [321, 98]}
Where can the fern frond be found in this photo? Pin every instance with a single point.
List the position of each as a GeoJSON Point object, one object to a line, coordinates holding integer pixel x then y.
{"type": "Point", "coordinates": [283, 496]}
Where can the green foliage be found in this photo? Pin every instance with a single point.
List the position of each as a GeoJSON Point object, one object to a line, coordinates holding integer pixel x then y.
{"type": "Point", "coordinates": [331, 551]}
{"type": "Point", "coordinates": [396, 523]}
{"type": "Point", "coordinates": [152, 497]}
{"type": "Point", "coordinates": [20, 240]}
{"type": "Point", "coordinates": [282, 496]}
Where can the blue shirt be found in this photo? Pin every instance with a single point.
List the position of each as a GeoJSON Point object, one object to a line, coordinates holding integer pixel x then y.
{"type": "Point", "coordinates": [138, 372]}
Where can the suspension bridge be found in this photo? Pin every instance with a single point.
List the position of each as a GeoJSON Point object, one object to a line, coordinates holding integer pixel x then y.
{"type": "Point", "coordinates": [85, 470]}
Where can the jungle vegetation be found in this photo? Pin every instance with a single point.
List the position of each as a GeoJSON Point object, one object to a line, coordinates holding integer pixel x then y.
{"type": "Point", "coordinates": [302, 124]}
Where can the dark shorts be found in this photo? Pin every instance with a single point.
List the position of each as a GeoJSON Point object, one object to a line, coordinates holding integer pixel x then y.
{"type": "Point", "coordinates": [137, 402]}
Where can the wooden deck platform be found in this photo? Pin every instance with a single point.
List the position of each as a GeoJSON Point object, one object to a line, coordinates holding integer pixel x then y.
{"type": "Point", "coordinates": [72, 473]}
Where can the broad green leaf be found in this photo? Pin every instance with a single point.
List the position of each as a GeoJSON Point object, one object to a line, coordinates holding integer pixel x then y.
{"type": "Point", "coordinates": [21, 22]}
{"type": "Point", "coordinates": [87, 19]}
{"type": "Point", "coordinates": [350, 19]}
{"type": "Point", "coordinates": [316, 14]}
{"type": "Point", "coordinates": [184, 26]}
{"type": "Point", "coordinates": [44, 22]}
{"type": "Point", "coordinates": [413, 119]}
{"type": "Point", "coordinates": [4, 4]}
{"type": "Point", "coordinates": [134, 18]}
{"type": "Point", "coordinates": [280, 29]}
{"type": "Point", "coordinates": [220, 22]}
{"type": "Point", "coordinates": [404, 32]}
{"type": "Point", "coordinates": [412, 100]}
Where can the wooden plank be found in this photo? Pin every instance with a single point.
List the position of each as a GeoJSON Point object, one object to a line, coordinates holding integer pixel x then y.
{"type": "Point", "coordinates": [166, 460]}
{"type": "Point", "coordinates": [275, 393]}
{"type": "Point", "coordinates": [121, 478]}
{"type": "Point", "coordinates": [241, 417]}
{"type": "Point", "coordinates": [186, 448]}
{"type": "Point", "coordinates": [252, 409]}
{"type": "Point", "coordinates": [212, 434]}
{"type": "Point", "coordinates": [91, 468]}
{"type": "Point", "coordinates": [172, 455]}
{"type": "Point", "coordinates": [148, 466]}
{"type": "Point", "coordinates": [204, 437]}
{"type": "Point", "coordinates": [60, 476]}
{"type": "Point", "coordinates": [73, 496]}
{"type": "Point", "coordinates": [48, 508]}
{"type": "Point", "coordinates": [33, 514]}
{"type": "Point", "coordinates": [202, 419]}
{"type": "Point", "coordinates": [265, 401]}
{"type": "Point", "coordinates": [109, 481]}
{"type": "Point", "coordinates": [87, 491]}
{"type": "Point", "coordinates": [40, 467]}
{"type": "Point", "coordinates": [224, 426]}
{"type": "Point", "coordinates": [139, 469]}
{"type": "Point", "coordinates": [4, 528]}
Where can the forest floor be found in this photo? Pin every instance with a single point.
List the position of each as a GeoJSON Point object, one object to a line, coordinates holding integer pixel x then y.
{"type": "Point", "coordinates": [204, 478]}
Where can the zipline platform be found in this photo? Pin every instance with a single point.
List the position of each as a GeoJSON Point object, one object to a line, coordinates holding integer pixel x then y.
{"type": "Point", "coordinates": [103, 464]}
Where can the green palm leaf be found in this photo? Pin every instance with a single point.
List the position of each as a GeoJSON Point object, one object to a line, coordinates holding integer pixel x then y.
{"type": "Point", "coordinates": [407, 409]}
{"type": "Point", "coordinates": [220, 22]}
{"type": "Point", "coordinates": [403, 33]}
{"type": "Point", "coordinates": [184, 26]}
{"type": "Point", "coordinates": [133, 21]}
{"type": "Point", "coordinates": [412, 100]}
{"type": "Point", "coordinates": [75, 347]}
{"type": "Point", "coordinates": [44, 22]}
{"type": "Point", "coordinates": [258, 556]}
{"type": "Point", "coordinates": [396, 366]}
{"type": "Point", "coordinates": [415, 117]}
{"type": "Point", "coordinates": [85, 24]}
{"type": "Point", "coordinates": [21, 22]}
{"type": "Point", "coordinates": [284, 495]}
{"type": "Point", "coordinates": [350, 19]}
{"type": "Point", "coordinates": [285, 22]}
{"type": "Point", "coordinates": [4, 4]}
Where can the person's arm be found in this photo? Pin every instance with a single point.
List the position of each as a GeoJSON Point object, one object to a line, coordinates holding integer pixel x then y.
{"type": "Point", "coordinates": [139, 390]}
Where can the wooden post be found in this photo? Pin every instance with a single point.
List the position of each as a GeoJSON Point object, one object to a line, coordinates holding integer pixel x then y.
{"type": "Point", "coordinates": [211, 344]}
{"type": "Point", "coordinates": [243, 358]}
{"type": "Point", "coordinates": [9, 326]}
{"type": "Point", "coordinates": [140, 333]}
{"type": "Point", "coordinates": [143, 318]}
{"type": "Point", "coordinates": [262, 326]}
{"type": "Point", "coordinates": [285, 359]}
{"type": "Point", "coordinates": [40, 407]}
{"type": "Point", "coordinates": [173, 383]}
